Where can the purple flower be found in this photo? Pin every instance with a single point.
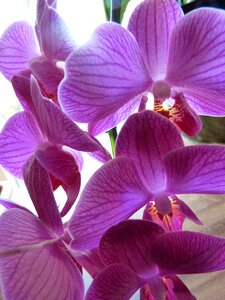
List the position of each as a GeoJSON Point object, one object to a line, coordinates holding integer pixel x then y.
{"type": "Point", "coordinates": [21, 49]}
{"type": "Point", "coordinates": [151, 164]}
{"type": "Point", "coordinates": [34, 260]}
{"type": "Point", "coordinates": [138, 254]}
{"type": "Point", "coordinates": [41, 131]}
{"type": "Point", "coordinates": [164, 53]}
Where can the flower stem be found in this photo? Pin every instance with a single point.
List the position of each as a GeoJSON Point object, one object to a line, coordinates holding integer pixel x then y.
{"type": "Point", "coordinates": [112, 136]}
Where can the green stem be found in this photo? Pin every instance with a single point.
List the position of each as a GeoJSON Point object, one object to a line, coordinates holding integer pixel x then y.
{"type": "Point", "coordinates": [112, 136]}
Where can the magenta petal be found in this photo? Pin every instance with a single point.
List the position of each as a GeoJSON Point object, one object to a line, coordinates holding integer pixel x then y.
{"type": "Point", "coordinates": [196, 60]}
{"type": "Point", "coordinates": [103, 75]}
{"type": "Point", "coordinates": [152, 24]}
{"type": "Point", "coordinates": [112, 194]}
{"type": "Point", "coordinates": [63, 166]}
{"type": "Point", "coordinates": [188, 253]}
{"type": "Point", "coordinates": [56, 41]}
{"type": "Point", "coordinates": [9, 204]}
{"type": "Point", "coordinates": [101, 125]}
{"type": "Point", "coordinates": [196, 169]}
{"type": "Point", "coordinates": [39, 187]}
{"type": "Point", "coordinates": [176, 289]}
{"type": "Point", "coordinates": [146, 138]}
{"type": "Point", "coordinates": [46, 272]}
{"type": "Point", "coordinates": [59, 128]}
{"type": "Point", "coordinates": [129, 243]}
{"type": "Point", "coordinates": [18, 141]}
{"type": "Point", "coordinates": [47, 73]}
{"type": "Point", "coordinates": [17, 48]}
{"type": "Point", "coordinates": [116, 282]}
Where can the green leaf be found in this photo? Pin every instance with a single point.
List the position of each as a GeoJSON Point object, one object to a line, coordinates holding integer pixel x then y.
{"type": "Point", "coordinates": [123, 8]}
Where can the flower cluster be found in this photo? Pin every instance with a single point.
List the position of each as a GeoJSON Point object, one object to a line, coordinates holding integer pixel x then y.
{"type": "Point", "coordinates": [177, 60]}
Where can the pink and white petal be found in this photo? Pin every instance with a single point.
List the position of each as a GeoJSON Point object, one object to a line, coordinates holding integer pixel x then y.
{"type": "Point", "coordinates": [45, 271]}
{"type": "Point", "coordinates": [197, 48]}
{"type": "Point", "coordinates": [152, 23]}
{"type": "Point", "coordinates": [188, 252]}
{"type": "Point", "coordinates": [146, 138]}
{"type": "Point", "coordinates": [56, 40]}
{"type": "Point", "coordinates": [112, 194]}
{"type": "Point", "coordinates": [57, 126]}
{"type": "Point", "coordinates": [129, 243]}
{"type": "Point", "coordinates": [101, 125]}
{"type": "Point", "coordinates": [39, 187]}
{"type": "Point", "coordinates": [177, 290]}
{"type": "Point", "coordinates": [196, 169]}
{"type": "Point", "coordinates": [63, 166]}
{"type": "Point", "coordinates": [18, 46]}
{"type": "Point", "coordinates": [116, 282]}
{"type": "Point", "coordinates": [103, 75]}
{"type": "Point", "coordinates": [48, 74]}
{"type": "Point", "coordinates": [18, 140]}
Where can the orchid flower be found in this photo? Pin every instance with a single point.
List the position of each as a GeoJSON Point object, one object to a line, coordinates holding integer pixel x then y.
{"type": "Point", "coordinates": [139, 254]}
{"type": "Point", "coordinates": [21, 49]}
{"type": "Point", "coordinates": [35, 263]}
{"type": "Point", "coordinates": [41, 131]}
{"type": "Point", "coordinates": [151, 164]}
{"type": "Point", "coordinates": [179, 59]}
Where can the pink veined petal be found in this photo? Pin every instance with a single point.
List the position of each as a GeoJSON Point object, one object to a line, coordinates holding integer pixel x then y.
{"type": "Point", "coordinates": [129, 243]}
{"type": "Point", "coordinates": [39, 187]}
{"type": "Point", "coordinates": [197, 48]}
{"type": "Point", "coordinates": [21, 85]}
{"type": "Point", "coordinates": [9, 204]}
{"type": "Point", "coordinates": [116, 282]}
{"type": "Point", "coordinates": [101, 125]}
{"type": "Point", "coordinates": [176, 289]}
{"type": "Point", "coordinates": [63, 166]}
{"type": "Point", "coordinates": [146, 138]}
{"type": "Point", "coordinates": [196, 169]}
{"type": "Point", "coordinates": [77, 156]}
{"type": "Point", "coordinates": [91, 261]}
{"type": "Point", "coordinates": [103, 75]}
{"type": "Point", "coordinates": [18, 46]}
{"type": "Point", "coordinates": [57, 126]}
{"type": "Point", "coordinates": [48, 74]}
{"type": "Point", "coordinates": [112, 194]}
{"type": "Point", "coordinates": [152, 23]}
{"type": "Point", "coordinates": [188, 252]}
{"type": "Point", "coordinates": [18, 141]}
{"type": "Point", "coordinates": [46, 272]}
{"type": "Point", "coordinates": [56, 41]}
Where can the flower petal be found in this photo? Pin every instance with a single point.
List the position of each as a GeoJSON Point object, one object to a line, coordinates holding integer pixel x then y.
{"type": "Point", "coordinates": [188, 253]}
{"type": "Point", "coordinates": [63, 166]}
{"type": "Point", "coordinates": [112, 194]}
{"type": "Point", "coordinates": [196, 60]}
{"type": "Point", "coordinates": [39, 187]}
{"type": "Point", "coordinates": [152, 23]}
{"type": "Point", "coordinates": [48, 74]}
{"type": "Point", "coordinates": [101, 125]}
{"type": "Point", "coordinates": [176, 289]}
{"type": "Point", "coordinates": [18, 46]}
{"type": "Point", "coordinates": [117, 282]}
{"type": "Point", "coordinates": [145, 138]}
{"type": "Point", "coordinates": [196, 169]}
{"type": "Point", "coordinates": [57, 126]}
{"type": "Point", "coordinates": [9, 204]}
{"type": "Point", "coordinates": [46, 272]}
{"type": "Point", "coordinates": [18, 141]}
{"type": "Point", "coordinates": [129, 243]}
{"type": "Point", "coordinates": [103, 75]}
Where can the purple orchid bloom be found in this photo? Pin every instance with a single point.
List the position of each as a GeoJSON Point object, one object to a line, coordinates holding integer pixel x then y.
{"type": "Point", "coordinates": [21, 49]}
{"type": "Point", "coordinates": [139, 254]}
{"type": "Point", "coordinates": [151, 164]}
{"type": "Point", "coordinates": [41, 131]}
{"type": "Point", "coordinates": [179, 59]}
{"type": "Point", "coordinates": [35, 262]}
